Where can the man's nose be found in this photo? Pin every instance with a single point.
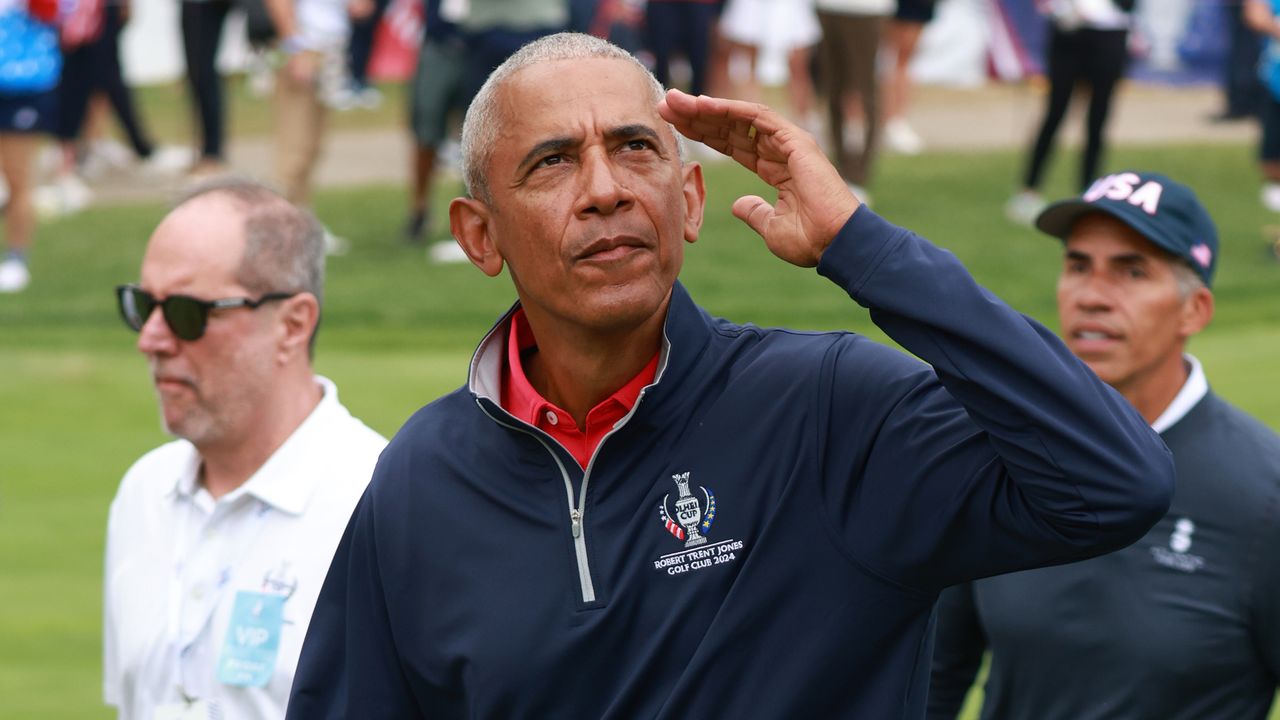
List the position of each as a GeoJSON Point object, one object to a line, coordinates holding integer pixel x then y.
{"type": "Point", "coordinates": [155, 337]}
{"type": "Point", "coordinates": [604, 191]}
{"type": "Point", "coordinates": [1094, 292]}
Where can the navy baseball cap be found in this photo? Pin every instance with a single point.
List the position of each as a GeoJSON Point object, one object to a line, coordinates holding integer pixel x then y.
{"type": "Point", "coordinates": [1163, 211]}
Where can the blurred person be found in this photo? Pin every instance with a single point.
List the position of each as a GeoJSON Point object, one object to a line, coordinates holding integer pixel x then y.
{"type": "Point", "coordinates": [1264, 17]}
{"type": "Point", "coordinates": [91, 68]}
{"type": "Point", "coordinates": [631, 500]}
{"type": "Point", "coordinates": [313, 36]}
{"type": "Point", "coordinates": [202, 22]}
{"type": "Point", "coordinates": [752, 26]}
{"type": "Point", "coordinates": [901, 37]}
{"type": "Point", "coordinates": [1185, 623]}
{"type": "Point", "coordinates": [1243, 94]}
{"type": "Point", "coordinates": [437, 101]}
{"type": "Point", "coordinates": [682, 28]}
{"type": "Point", "coordinates": [218, 542]}
{"type": "Point", "coordinates": [30, 63]}
{"type": "Point", "coordinates": [851, 32]}
{"type": "Point", "coordinates": [359, 92]}
{"type": "Point", "coordinates": [1088, 46]}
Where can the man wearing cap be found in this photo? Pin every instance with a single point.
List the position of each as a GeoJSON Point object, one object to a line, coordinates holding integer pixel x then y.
{"type": "Point", "coordinates": [1186, 622]}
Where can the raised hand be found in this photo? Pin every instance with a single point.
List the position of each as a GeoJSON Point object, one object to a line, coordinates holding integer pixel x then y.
{"type": "Point", "coordinates": [813, 200]}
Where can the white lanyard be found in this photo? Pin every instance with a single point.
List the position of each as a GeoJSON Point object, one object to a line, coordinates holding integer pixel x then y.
{"type": "Point", "coordinates": [178, 572]}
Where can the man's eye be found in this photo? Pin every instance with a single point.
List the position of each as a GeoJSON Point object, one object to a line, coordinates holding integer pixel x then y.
{"type": "Point", "coordinates": [639, 144]}
{"type": "Point", "coordinates": [1135, 273]}
{"type": "Point", "coordinates": [549, 161]}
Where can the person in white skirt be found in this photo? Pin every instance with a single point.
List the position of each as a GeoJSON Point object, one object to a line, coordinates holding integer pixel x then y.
{"type": "Point", "coordinates": [790, 26]}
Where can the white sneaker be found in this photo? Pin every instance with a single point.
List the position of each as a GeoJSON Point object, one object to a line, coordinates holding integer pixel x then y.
{"type": "Point", "coordinates": [855, 136]}
{"type": "Point", "coordinates": [66, 196]}
{"type": "Point", "coordinates": [861, 193]}
{"type": "Point", "coordinates": [168, 160]}
{"type": "Point", "coordinates": [14, 276]}
{"type": "Point", "coordinates": [447, 252]}
{"type": "Point", "coordinates": [900, 138]}
{"type": "Point", "coordinates": [111, 153]}
{"type": "Point", "coordinates": [334, 245]}
{"type": "Point", "coordinates": [1024, 207]}
{"type": "Point", "coordinates": [369, 97]}
{"type": "Point", "coordinates": [1271, 197]}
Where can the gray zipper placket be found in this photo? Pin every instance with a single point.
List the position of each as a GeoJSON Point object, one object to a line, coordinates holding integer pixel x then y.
{"type": "Point", "coordinates": [577, 508]}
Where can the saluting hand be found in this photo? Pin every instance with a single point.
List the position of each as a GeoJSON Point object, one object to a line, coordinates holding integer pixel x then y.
{"type": "Point", "coordinates": [813, 200]}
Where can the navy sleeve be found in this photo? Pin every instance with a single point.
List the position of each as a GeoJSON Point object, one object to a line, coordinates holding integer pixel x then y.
{"type": "Point", "coordinates": [957, 652]}
{"type": "Point", "coordinates": [350, 667]}
{"type": "Point", "coordinates": [1265, 602]}
{"type": "Point", "coordinates": [1009, 453]}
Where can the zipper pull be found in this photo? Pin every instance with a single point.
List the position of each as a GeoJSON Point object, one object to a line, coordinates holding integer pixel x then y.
{"type": "Point", "coordinates": [575, 516]}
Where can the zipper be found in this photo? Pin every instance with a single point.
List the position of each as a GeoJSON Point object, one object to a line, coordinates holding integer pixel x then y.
{"type": "Point", "coordinates": [576, 513]}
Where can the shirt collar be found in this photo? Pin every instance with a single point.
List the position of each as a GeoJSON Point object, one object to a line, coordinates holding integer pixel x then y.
{"type": "Point", "coordinates": [1192, 392]}
{"type": "Point", "coordinates": [490, 361]}
{"type": "Point", "coordinates": [526, 403]}
{"type": "Point", "coordinates": [288, 479]}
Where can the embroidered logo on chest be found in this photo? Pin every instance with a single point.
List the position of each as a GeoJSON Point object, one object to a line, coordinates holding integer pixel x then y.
{"type": "Point", "coordinates": [1177, 555]}
{"type": "Point", "coordinates": [695, 513]}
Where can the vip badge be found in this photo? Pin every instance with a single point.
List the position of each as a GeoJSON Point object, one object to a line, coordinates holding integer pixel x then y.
{"type": "Point", "coordinates": [693, 518]}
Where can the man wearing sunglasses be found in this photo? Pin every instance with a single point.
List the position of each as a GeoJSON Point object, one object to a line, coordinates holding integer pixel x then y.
{"type": "Point", "coordinates": [218, 542]}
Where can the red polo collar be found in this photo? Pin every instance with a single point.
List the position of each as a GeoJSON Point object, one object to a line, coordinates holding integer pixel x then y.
{"type": "Point", "coordinates": [521, 400]}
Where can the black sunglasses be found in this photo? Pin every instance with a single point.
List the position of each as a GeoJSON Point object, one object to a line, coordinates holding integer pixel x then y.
{"type": "Point", "coordinates": [186, 316]}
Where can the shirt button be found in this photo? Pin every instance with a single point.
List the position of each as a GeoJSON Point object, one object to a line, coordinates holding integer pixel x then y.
{"type": "Point", "coordinates": [552, 418]}
{"type": "Point", "coordinates": [197, 592]}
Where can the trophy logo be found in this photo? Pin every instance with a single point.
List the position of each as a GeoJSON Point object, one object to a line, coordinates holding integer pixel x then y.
{"type": "Point", "coordinates": [693, 518]}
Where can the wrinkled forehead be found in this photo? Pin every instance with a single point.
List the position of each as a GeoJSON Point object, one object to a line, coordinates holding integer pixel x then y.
{"type": "Point", "coordinates": [560, 97]}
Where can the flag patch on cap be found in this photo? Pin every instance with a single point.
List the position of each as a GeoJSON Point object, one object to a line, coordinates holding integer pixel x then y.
{"type": "Point", "coordinates": [1202, 254]}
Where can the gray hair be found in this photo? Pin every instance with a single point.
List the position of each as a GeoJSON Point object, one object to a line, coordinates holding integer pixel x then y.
{"type": "Point", "coordinates": [284, 244]}
{"type": "Point", "coordinates": [1186, 277]}
{"type": "Point", "coordinates": [482, 125]}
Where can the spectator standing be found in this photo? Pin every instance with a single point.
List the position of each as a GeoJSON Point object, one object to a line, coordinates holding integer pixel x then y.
{"type": "Point", "coordinates": [218, 542]}
{"type": "Point", "coordinates": [202, 24]}
{"type": "Point", "coordinates": [851, 31]}
{"type": "Point", "coordinates": [313, 39]}
{"type": "Point", "coordinates": [359, 92]}
{"type": "Point", "coordinates": [902, 36]}
{"type": "Point", "coordinates": [1243, 93]}
{"type": "Point", "coordinates": [1088, 45]}
{"type": "Point", "coordinates": [1185, 623]}
{"type": "Point", "coordinates": [682, 28]}
{"type": "Point", "coordinates": [437, 102]}
{"type": "Point", "coordinates": [753, 26]}
{"type": "Point", "coordinates": [1264, 17]}
{"type": "Point", "coordinates": [30, 63]}
{"type": "Point", "coordinates": [91, 67]}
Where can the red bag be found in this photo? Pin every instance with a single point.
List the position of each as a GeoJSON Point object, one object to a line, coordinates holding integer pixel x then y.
{"type": "Point", "coordinates": [83, 25]}
{"type": "Point", "coordinates": [46, 11]}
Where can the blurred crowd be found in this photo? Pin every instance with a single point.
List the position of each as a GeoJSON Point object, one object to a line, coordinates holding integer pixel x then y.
{"type": "Point", "coordinates": [845, 63]}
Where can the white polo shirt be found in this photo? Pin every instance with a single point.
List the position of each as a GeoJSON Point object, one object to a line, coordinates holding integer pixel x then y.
{"type": "Point", "coordinates": [177, 560]}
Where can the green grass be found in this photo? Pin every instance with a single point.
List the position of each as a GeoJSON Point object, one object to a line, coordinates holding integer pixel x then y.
{"type": "Point", "coordinates": [77, 409]}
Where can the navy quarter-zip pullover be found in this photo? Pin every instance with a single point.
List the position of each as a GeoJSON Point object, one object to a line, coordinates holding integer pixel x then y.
{"type": "Point", "coordinates": [763, 536]}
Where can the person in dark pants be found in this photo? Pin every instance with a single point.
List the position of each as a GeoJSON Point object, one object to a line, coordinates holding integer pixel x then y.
{"type": "Point", "coordinates": [1185, 623]}
{"type": "Point", "coordinates": [682, 27]}
{"type": "Point", "coordinates": [202, 22]}
{"type": "Point", "coordinates": [1241, 88]}
{"type": "Point", "coordinates": [359, 51]}
{"type": "Point", "coordinates": [1087, 45]}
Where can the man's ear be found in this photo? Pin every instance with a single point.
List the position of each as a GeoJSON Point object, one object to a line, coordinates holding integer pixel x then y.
{"type": "Point", "coordinates": [1197, 311]}
{"type": "Point", "coordinates": [297, 319]}
{"type": "Point", "coordinates": [695, 200]}
{"type": "Point", "coordinates": [471, 223]}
